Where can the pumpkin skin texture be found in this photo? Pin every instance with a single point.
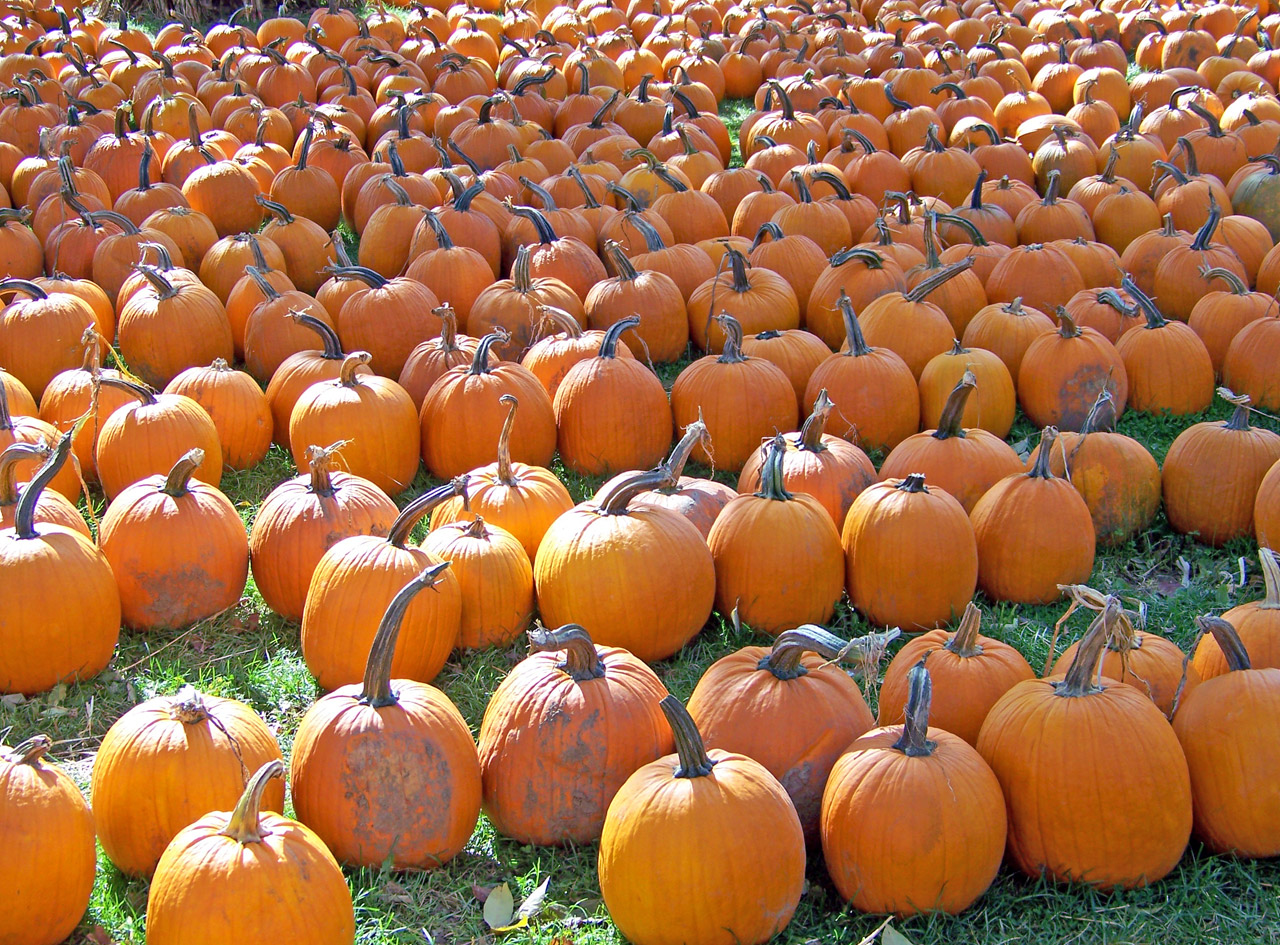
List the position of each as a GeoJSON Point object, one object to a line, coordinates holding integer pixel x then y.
{"type": "Point", "coordinates": [709, 830]}
{"type": "Point", "coordinates": [791, 708]}
{"type": "Point", "coordinates": [61, 617]}
{"type": "Point", "coordinates": [777, 555]}
{"type": "Point", "coordinates": [1227, 729]}
{"type": "Point", "coordinates": [1063, 372]}
{"type": "Point", "coordinates": [970, 673]}
{"type": "Point", "coordinates": [602, 565]}
{"type": "Point", "coordinates": [884, 853]}
{"type": "Point", "coordinates": [1212, 474]}
{"type": "Point", "coordinates": [249, 878]}
{"type": "Point", "coordinates": [1096, 786]}
{"type": "Point", "coordinates": [1034, 532]}
{"type": "Point", "coordinates": [47, 833]}
{"type": "Point", "coordinates": [177, 547]}
{"type": "Point", "coordinates": [167, 759]}
{"type": "Point", "coordinates": [562, 732]}
{"type": "Point", "coordinates": [888, 528]}
{"type": "Point", "coordinates": [386, 770]}
{"type": "Point", "coordinates": [1256, 623]}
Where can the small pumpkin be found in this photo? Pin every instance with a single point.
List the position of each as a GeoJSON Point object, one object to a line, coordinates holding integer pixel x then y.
{"type": "Point", "coordinates": [1256, 623]}
{"type": "Point", "coordinates": [237, 407]}
{"type": "Point", "coordinates": [1063, 372]}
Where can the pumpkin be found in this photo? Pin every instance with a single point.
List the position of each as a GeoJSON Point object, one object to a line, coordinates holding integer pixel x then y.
{"type": "Point", "coordinates": [351, 587]}
{"type": "Point", "coordinates": [963, 462]}
{"type": "Point", "coordinates": [463, 412]}
{"type": "Point", "coordinates": [167, 759]}
{"type": "Point", "coordinates": [62, 614]}
{"type": "Point", "coordinates": [402, 753]}
{"type": "Point", "coordinates": [171, 326]}
{"type": "Point", "coordinates": [858, 274]}
{"type": "Point", "coordinates": [48, 834]}
{"type": "Point", "coordinates": [1042, 275]}
{"type": "Point", "coordinates": [758, 536]}
{"type": "Point", "coordinates": [51, 507]}
{"type": "Point", "coordinates": [1179, 282]}
{"type": "Point", "coordinates": [888, 525]}
{"type": "Point", "coordinates": [1116, 475]}
{"type": "Point", "coordinates": [373, 414]}
{"type": "Point", "coordinates": [880, 852]}
{"type": "Point", "coordinates": [249, 876]}
{"type": "Point", "coordinates": [1224, 728]}
{"type": "Point", "coordinates": [1006, 329]}
{"type": "Point", "coordinates": [1212, 473]}
{"type": "Point", "coordinates": [562, 344]}
{"type": "Point", "coordinates": [1220, 316]}
{"type": "Point", "coordinates": [40, 336]}
{"type": "Point", "coordinates": [33, 430]}
{"type": "Point", "coordinates": [909, 325]}
{"type": "Point", "coordinates": [299, 371]}
{"type": "Point", "coordinates": [970, 672]}
{"type": "Point", "coordinates": [1034, 533]}
{"type": "Point", "coordinates": [177, 547]}
{"type": "Point", "coordinates": [237, 407]}
{"type": "Point", "coordinates": [995, 405]}
{"type": "Point", "coordinates": [1066, 749]}
{"type": "Point", "coordinates": [611, 413]}
{"type": "Point", "coordinates": [1167, 365]}
{"type": "Point", "coordinates": [698, 820]}
{"type": "Point", "coordinates": [1248, 364]}
{"type": "Point", "coordinates": [1255, 622]}
{"type": "Point", "coordinates": [272, 330]}
{"type": "Point", "coordinates": [874, 387]}
{"type": "Point", "coordinates": [1266, 510]}
{"type": "Point", "coordinates": [758, 298]}
{"type": "Point", "coordinates": [562, 732]}
{"type": "Point", "coordinates": [663, 332]}
{"type": "Point", "coordinates": [601, 561]}
{"type": "Point", "coordinates": [388, 318]}
{"type": "Point", "coordinates": [740, 399]}
{"type": "Point", "coordinates": [1062, 373]}
{"type": "Point", "coordinates": [790, 707]}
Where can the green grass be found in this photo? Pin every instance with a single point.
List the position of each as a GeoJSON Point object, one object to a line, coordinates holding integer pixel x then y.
{"type": "Point", "coordinates": [250, 654]}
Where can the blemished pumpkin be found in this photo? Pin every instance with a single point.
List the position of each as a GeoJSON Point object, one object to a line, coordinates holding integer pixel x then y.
{"type": "Point", "coordinates": [562, 732]}
{"type": "Point", "coordinates": [601, 564]}
{"type": "Point", "coordinates": [61, 617]}
{"type": "Point", "coordinates": [167, 760]}
{"type": "Point", "coordinates": [177, 547]}
{"type": "Point", "coordinates": [791, 707]}
{"type": "Point", "coordinates": [759, 536]}
{"type": "Point", "coordinates": [1034, 533]}
{"type": "Point", "coordinates": [385, 771]}
{"type": "Point", "coordinates": [249, 877]}
{"type": "Point", "coordinates": [890, 526]}
{"type": "Point", "coordinates": [1256, 623]}
{"type": "Point", "coordinates": [47, 831]}
{"type": "Point", "coordinates": [1095, 783]}
{"type": "Point", "coordinates": [1227, 731]}
{"type": "Point", "coordinates": [885, 856]}
{"type": "Point", "coordinates": [1062, 372]}
{"type": "Point", "coordinates": [970, 672]}
{"type": "Point", "coordinates": [701, 819]}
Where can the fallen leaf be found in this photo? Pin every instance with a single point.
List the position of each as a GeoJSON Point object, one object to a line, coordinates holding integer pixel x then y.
{"type": "Point", "coordinates": [533, 904]}
{"type": "Point", "coordinates": [481, 892]}
{"type": "Point", "coordinates": [99, 936]}
{"type": "Point", "coordinates": [891, 936]}
{"type": "Point", "coordinates": [499, 907]}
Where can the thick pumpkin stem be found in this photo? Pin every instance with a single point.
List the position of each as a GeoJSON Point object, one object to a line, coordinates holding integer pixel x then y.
{"type": "Point", "coordinates": [30, 752]}
{"type": "Point", "coordinates": [376, 690]}
{"type": "Point", "coordinates": [673, 467]}
{"type": "Point", "coordinates": [1240, 416]}
{"type": "Point", "coordinates": [613, 500]}
{"type": "Point", "coordinates": [964, 642]}
{"type": "Point", "coordinates": [187, 706]}
{"type": "Point", "coordinates": [178, 482]}
{"type": "Point", "coordinates": [1084, 665]}
{"type": "Point", "coordinates": [1067, 326]}
{"type": "Point", "coordinates": [347, 375]}
{"type": "Point", "coordinates": [480, 362]}
{"type": "Point", "coordinates": [1234, 283]}
{"type": "Point", "coordinates": [1102, 415]}
{"type": "Point", "coordinates": [1041, 468]}
{"type": "Point", "coordinates": [505, 474]}
{"type": "Point", "coordinates": [581, 659]}
{"type": "Point", "coordinates": [852, 330]}
{"type": "Point", "coordinates": [563, 322]}
{"type": "Point", "coordinates": [621, 263]}
{"type": "Point", "coordinates": [609, 344]}
{"type": "Point", "coordinates": [244, 827]}
{"type": "Point", "coordinates": [915, 741]}
{"type": "Point", "coordinates": [694, 761]}
{"type": "Point", "coordinates": [321, 461]}
{"type": "Point", "coordinates": [790, 645]}
{"type": "Point", "coordinates": [923, 288]}
{"type": "Point", "coordinates": [1145, 303]}
{"type": "Point", "coordinates": [1271, 579]}
{"type": "Point", "coordinates": [13, 454]}
{"type": "Point", "coordinates": [772, 484]}
{"type": "Point", "coordinates": [398, 535]}
{"type": "Point", "coordinates": [25, 512]}
{"type": "Point", "coordinates": [738, 267]}
{"type": "Point", "coordinates": [1228, 640]}
{"type": "Point", "coordinates": [950, 420]}
{"type": "Point", "coordinates": [332, 345]}
{"type": "Point", "coordinates": [732, 328]}
{"type": "Point", "coordinates": [815, 425]}
{"type": "Point", "coordinates": [1204, 236]}
{"type": "Point", "coordinates": [914, 482]}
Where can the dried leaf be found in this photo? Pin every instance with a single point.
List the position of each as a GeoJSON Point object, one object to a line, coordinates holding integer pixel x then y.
{"type": "Point", "coordinates": [99, 936]}
{"type": "Point", "coordinates": [891, 936]}
{"type": "Point", "coordinates": [533, 904]}
{"type": "Point", "coordinates": [481, 892]}
{"type": "Point", "coordinates": [499, 907]}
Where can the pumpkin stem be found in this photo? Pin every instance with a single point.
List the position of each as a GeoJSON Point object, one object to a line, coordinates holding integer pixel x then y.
{"type": "Point", "coordinates": [613, 499]}
{"type": "Point", "coordinates": [913, 483]}
{"type": "Point", "coordinates": [673, 466]}
{"type": "Point", "coordinates": [815, 424]}
{"type": "Point", "coordinates": [694, 761]}
{"type": "Point", "coordinates": [480, 362]}
{"type": "Point", "coordinates": [581, 658]}
{"type": "Point", "coordinates": [178, 482]}
{"type": "Point", "coordinates": [1102, 415]}
{"type": "Point", "coordinates": [1204, 236]}
{"type": "Point", "coordinates": [32, 751]}
{"type": "Point", "coordinates": [772, 483]}
{"type": "Point", "coordinates": [187, 706]}
{"type": "Point", "coordinates": [609, 344]}
{"type": "Point", "coordinates": [13, 454]}
{"type": "Point", "coordinates": [925, 286]}
{"type": "Point", "coordinates": [347, 375]}
{"type": "Point", "coordinates": [949, 421]}
{"type": "Point", "coordinates": [1145, 303]}
{"type": "Point", "coordinates": [621, 263]}
{"type": "Point", "coordinates": [964, 642]}
{"type": "Point", "coordinates": [505, 474]}
{"type": "Point", "coordinates": [1080, 674]}
{"type": "Point", "coordinates": [783, 659]}
{"type": "Point", "coordinates": [332, 350]}
{"type": "Point", "coordinates": [1240, 416]}
{"type": "Point", "coordinates": [914, 741]}
{"type": "Point", "coordinates": [562, 321]}
{"type": "Point", "coordinates": [1067, 326]}
{"type": "Point", "coordinates": [1041, 468]}
{"type": "Point", "coordinates": [1228, 640]}
{"type": "Point", "coordinates": [852, 330]}
{"type": "Point", "coordinates": [1234, 283]}
{"type": "Point", "coordinates": [1270, 577]}
{"type": "Point", "coordinates": [376, 690]}
{"type": "Point", "coordinates": [244, 826]}
{"type": "Point", "coordinates": [25, 512]}
{"type": "Point", "coordinates": [412, 513]}
{"type": "Point", "coordinates": [321, 461]}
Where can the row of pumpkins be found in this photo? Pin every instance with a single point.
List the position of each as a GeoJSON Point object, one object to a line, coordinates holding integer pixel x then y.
{"type": "Point", "coordinates": [1079, 775]}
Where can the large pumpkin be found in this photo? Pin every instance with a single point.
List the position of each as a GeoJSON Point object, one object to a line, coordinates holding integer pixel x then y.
{"type": "Point", "coordinates": [47, 831]}
{"type": "Point", "coordinates": [385, 771]}
{"type": "Point", "coordinates": [562, 732]}
{"type": "Point", "coordinates": [912, 818]}
{"type": "Point", "coordinates": [1095, 783]}
{"type": "Point", "coordinates": [705, 820]}
{"type": "Point", "coordinates": [166, 761]}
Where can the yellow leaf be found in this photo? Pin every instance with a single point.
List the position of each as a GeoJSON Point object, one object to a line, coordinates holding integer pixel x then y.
{"type": "Point", "coordinates": [499, 908]}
